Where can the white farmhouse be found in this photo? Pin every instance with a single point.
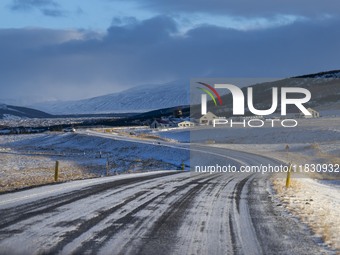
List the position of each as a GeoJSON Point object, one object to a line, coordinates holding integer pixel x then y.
{"type": "Point", "coordinates": [186, 123]}
{"type": "Point", "coordinates": [208, 118]}
{"type": "Point", "coordinates": [314, 113]}
{"type": "Point", "coordinates": [162, 123]}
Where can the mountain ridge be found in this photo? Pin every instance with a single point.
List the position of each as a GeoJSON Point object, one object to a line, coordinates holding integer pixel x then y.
{"type": "Point", "coordinates": [146, 98]}
{"type": "Point", "coordinates": [138, 99]}
{"type": "Point", "coordinates": [12, 112]}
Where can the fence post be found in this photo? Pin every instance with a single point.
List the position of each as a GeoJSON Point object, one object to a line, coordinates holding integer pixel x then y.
{"type": "Point", "coordinates": [107, 167]}
{"type": "Point", "coordinates": [182, 166]}
{"type": "Point", "coordinates": [287, 151]}
{"type": "Point", "coordinates": [288, 175]}
{"type": "Point", "coordinates": [56, 171]}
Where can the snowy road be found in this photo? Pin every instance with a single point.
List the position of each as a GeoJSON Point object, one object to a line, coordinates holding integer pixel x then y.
{"type": "Point", "coordinates": [153, 213]}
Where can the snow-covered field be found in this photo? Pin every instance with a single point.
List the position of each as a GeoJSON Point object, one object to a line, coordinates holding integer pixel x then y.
{"type": "Point", "coordinates": [45, 122]}
{"type": "Point", "coordinates": [313, 140]}
{"type": "Point", "coordinates": [178, 134]}
{"type": "Point", "coordinates": [29, 159]}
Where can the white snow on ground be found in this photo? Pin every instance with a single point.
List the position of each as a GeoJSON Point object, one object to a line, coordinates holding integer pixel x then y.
{"type": "Point", "coordinates": [178, 134]}
{"type": "Point", "coordinates": [11, 117]}
{"type": "Point", "coordinates": [29, 159]}
{"type": "Point", "coordinates": [314, 140]}
{"type": "Point", "coordinates": [14, 121]}
{"type": "Point", "coordinates": [316, 204]}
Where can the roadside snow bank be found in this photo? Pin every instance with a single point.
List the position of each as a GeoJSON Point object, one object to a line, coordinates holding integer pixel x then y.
{"type": "Point", "coordinates": [315, 203]}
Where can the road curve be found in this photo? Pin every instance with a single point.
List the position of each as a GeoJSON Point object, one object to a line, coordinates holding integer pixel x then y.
{"type": "Point", "coordinates": [154, 213]}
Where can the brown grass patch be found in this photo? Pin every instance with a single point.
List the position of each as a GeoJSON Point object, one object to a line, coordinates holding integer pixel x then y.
{"type": "Point", "coordinates": [298, 200]}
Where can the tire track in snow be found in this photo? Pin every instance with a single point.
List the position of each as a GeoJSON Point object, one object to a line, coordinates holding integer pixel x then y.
{"type": "Point", "coordinates": [71, 236]}
{"type": "Point", "coordinates": [12, 216]}
{"type": "Point", "coordinates": [103, 236]}
{"type": "Point", "coordinates": [166, 226]}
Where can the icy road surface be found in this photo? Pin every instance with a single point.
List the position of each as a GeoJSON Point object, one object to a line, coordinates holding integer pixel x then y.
{"type": "Point", "coordinates": [166, 212]}
{"type": "Point", "coordinates": [163, 213]}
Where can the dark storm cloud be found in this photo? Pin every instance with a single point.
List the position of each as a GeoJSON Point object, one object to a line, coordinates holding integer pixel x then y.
{"type": "Point", "coordinates": [244, 7]}
{"type": "Point", "coordinates": [46, 7]}
{"type": "Point", "coordinates": [30, 4]}
{"type": "Point", "coordinates": [52, 12]}
{"type": "Point", "coordinates": [54, 64]}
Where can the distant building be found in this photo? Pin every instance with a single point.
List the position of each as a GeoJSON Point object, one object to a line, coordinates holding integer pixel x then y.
{"type": "Point", "coordinates": [186, 124]}
{"type": "Point", "coordinates": [161, 123]}
{"type": "Point", "coordinates": [155, 124]}
{"type": "Point", "coordinates": [314, 113]}
{"type": "Point", "coordinates": [208, 118]}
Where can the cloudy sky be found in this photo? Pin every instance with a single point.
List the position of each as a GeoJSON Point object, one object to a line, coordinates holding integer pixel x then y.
{"type": "Point", "coordinates": [72, 49]}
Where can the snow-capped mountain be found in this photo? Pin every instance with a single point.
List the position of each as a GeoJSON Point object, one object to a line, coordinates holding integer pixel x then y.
{"type": "Point", "coordinates": [137, 99]}
{"type": "Point", "coordinates": [323, 86]}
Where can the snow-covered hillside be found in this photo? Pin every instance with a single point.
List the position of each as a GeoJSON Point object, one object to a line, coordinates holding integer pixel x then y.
{"type": "Point", "coordinates": [10, 112]}
{"type": "Point", "coordinates": [323, 86]}
{"type": "Point", "coordinates": [137, 99]}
